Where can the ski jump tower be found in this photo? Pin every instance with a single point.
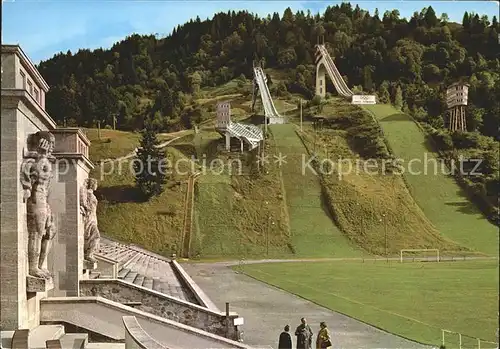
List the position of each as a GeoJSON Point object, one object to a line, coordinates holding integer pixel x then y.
{"type": "Point", "coordinates": [246, 134]}
{"type": "Point", "coordinates": [456, 101]}
{"type": "Point", "coordinates": [260, 85]}
{"type": "Point", "coordinates": [326, 66]}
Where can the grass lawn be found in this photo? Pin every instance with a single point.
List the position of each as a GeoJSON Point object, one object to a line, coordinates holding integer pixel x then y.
{"type": "Point", "coordinates": [413, 300]}
{"type": "Point", "coordinates": [313, 231]}
{"type": "Point", "coordinates": [113, 144]}
{"type": "Point", "coordinates": [439, 196]}
{"type": "Point", "coordinates": [154, 224]}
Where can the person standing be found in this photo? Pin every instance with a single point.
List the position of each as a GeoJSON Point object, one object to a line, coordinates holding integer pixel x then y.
{"type": "Point", "coordinates": [304, 335]}
{"type": "Point", "coordinates": [285, 341]}
{"type": "Point", "coordinates": [323, 340]}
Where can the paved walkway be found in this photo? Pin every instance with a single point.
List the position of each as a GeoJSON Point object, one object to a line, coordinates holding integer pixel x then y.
{"type": "Point", "coordinates": [266, 310]}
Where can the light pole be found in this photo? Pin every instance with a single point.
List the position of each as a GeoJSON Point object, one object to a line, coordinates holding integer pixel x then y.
{"type": "Point", "coordinates": [301, 115]}
{"type": "Point", "coordinates": [385, 234]}
{"type": "Point", "coordinates": [267, 236]}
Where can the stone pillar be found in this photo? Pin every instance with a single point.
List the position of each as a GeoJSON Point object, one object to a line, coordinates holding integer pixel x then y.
{"type": "Point", "coordinates": [73, 167]}
{"type": "Point", "coordinates": [19, 119]}
{"type": "Point", "coordinates": [320, 79]}
{"type": "Point", "coordinates": [228, 141]}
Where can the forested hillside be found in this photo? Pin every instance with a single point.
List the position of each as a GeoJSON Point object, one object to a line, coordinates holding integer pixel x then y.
{"type": "Point", "coordinates": [408, 63]}
{"type": "Point", "coordinates": [146, 75]}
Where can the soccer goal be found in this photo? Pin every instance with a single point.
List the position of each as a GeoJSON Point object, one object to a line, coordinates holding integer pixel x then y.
{"type": "Point", "coordinates": [420, 254]}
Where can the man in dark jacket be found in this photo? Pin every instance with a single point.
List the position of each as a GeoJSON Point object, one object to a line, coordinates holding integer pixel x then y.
{"type": "Point", "coordinates": [304, 335]}
{"type": "Point", "coordinates": [285, 341]}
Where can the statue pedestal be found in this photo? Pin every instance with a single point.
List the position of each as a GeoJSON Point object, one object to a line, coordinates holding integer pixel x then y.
{"type": "Point", "coordinates": [88, 265]}
{"type": "Point", "coordinates": [34, 284]}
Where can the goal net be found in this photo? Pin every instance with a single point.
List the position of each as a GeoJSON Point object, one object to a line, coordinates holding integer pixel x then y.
{"type": "Point", "coordinates": [419, 255]}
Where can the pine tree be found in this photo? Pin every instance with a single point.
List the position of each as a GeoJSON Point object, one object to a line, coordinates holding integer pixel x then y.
{"type": "Point", "coordinates": [398, 98]}
{"type": "Point", "coordinates": [150, 170]}
{"type": "Point", "coordinates": [383, 93]}
{"type": "Point", "coordinates": [367, 78]}
{"type": "Point", "coordinates": [466, 20]}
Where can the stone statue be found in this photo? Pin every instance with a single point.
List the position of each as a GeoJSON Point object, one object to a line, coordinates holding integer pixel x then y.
{"type": "Point", "coordinates": [36, 174]}
{"type": "Point", "coordinates": [88, 204]}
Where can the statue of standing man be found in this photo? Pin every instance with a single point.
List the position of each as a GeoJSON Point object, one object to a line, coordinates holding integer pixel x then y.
{"type": "Point", "coordinates": [88, 204]}
{"type": "Point", "coordinates": [36, 174]}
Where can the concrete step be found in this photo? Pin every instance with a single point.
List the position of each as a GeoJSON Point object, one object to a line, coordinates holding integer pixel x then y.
{"type": "Point", "coordinates": [148, 283]}
{"type": "Point", "coordinates": [126, 255]}
{"type": "Point", "coordinates": [139, 279]}
{"type": "Point", "coordinates": [149, 268]}
{"type": "Point", "coordinates": [94, 275]}
{"type": "Point", "coordinates": [105, 346]}
{"type": "Point", "coordinates": [40, 334]}
{"type": "Point", "coordinates": [139, 264]}
{"type": "Point", "coordinates": [156, 284]}
{"type": "Point", "coordinates": [122, 273]}
{"type": "Point", "coordinates": [74, 341]}
{"type": "Point", "coordinates": [145, 265]}
{"type": "Point", "coordinates": [130, 264]}
{"type": "Point", "coordinates": [130, 277]}
{"type": "Point", "coordinates": [6, 339]}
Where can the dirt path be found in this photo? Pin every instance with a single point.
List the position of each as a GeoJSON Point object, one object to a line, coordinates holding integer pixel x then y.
{"type": "Point", "coordinates": [134, 152]}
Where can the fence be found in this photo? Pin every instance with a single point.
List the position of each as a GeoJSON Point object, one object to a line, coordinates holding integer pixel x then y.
{"type": "Point", "coordinates": [465, 341]}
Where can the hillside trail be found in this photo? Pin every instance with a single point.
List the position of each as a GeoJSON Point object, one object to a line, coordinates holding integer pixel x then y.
{"type": "Point", "coordinates": [438, 194]}
{"type": "Point", "coordinates": [310, 221]}
{"type": "Point", "coordinates": [134, 152]}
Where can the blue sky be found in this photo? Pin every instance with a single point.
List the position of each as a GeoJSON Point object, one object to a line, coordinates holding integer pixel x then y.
{"type": "Point", "coordinates": [44, 28]}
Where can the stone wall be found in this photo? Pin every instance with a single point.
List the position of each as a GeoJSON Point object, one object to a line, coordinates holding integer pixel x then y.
{"type": "Point", "coordinates": [18, 121]}
{"type": "Point", "coordinates": [162, 305]}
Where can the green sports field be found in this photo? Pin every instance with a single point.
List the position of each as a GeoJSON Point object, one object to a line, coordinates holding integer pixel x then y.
{"type": "Point", "coordinates": [413, 300]}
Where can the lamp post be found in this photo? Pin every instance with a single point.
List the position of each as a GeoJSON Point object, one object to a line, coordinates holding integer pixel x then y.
{"type": "Point", "coordinates": [301, 115]}
{"type": "Point", "coordinates": [267, 235]}
{"type": "Point", "coordinates": [385, 235]}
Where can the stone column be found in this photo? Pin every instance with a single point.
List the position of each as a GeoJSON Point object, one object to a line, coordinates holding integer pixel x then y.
{"type": "Point", "coordinates": [73, 167]}
{"type": "Point", "coordinates": [19, 119]}
{"type": "Point", "coordinates": [320, 79]}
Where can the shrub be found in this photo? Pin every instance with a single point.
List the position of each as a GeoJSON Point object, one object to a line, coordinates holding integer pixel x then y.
{"type": "Point", "coordinates": [443, 139]}
{"type": "Point", "coordinates": [465, 140]}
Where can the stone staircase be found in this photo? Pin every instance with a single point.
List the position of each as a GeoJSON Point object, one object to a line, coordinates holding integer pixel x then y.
{"type": "Point", "coordinates": [145, 269]}
{"type": "Point", "coordinates": [105, 346]}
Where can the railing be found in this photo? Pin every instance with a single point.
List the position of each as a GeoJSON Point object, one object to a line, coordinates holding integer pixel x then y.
{"type": "Point", "coordinates": [267, 101]}
{"type": "Point", "coordinates": [136, 337]}
{"type": "Point", "coordinates": [333, 72]}
{"type": "Point", "coordinates": [480, 342]}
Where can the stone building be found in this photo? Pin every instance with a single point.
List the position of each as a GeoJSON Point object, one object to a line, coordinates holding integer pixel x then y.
{"type": "Point", "coordinates": [54, 292]}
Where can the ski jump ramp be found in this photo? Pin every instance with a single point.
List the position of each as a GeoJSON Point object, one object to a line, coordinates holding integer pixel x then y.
{"type": "Point", "coordinates": [325, 64]}
{"type": "Point", "coordinates": [272, 115]}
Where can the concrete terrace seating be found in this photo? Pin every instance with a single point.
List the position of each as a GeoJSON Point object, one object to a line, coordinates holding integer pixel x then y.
{"type": "Point", "coordinates": [145, 269]}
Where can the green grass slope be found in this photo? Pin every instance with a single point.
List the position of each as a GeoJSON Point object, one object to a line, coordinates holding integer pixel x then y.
{"type": "Point", "coordinates": [374, 210]}
{"type": "Point", "coordinates": [239, 215]}
{"type": "Point", "coordinates": [313, 232]}
{"type": "Point", "coordinates": [440, 197]}
{"type": "Point", "coordinates": [414, 300]}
